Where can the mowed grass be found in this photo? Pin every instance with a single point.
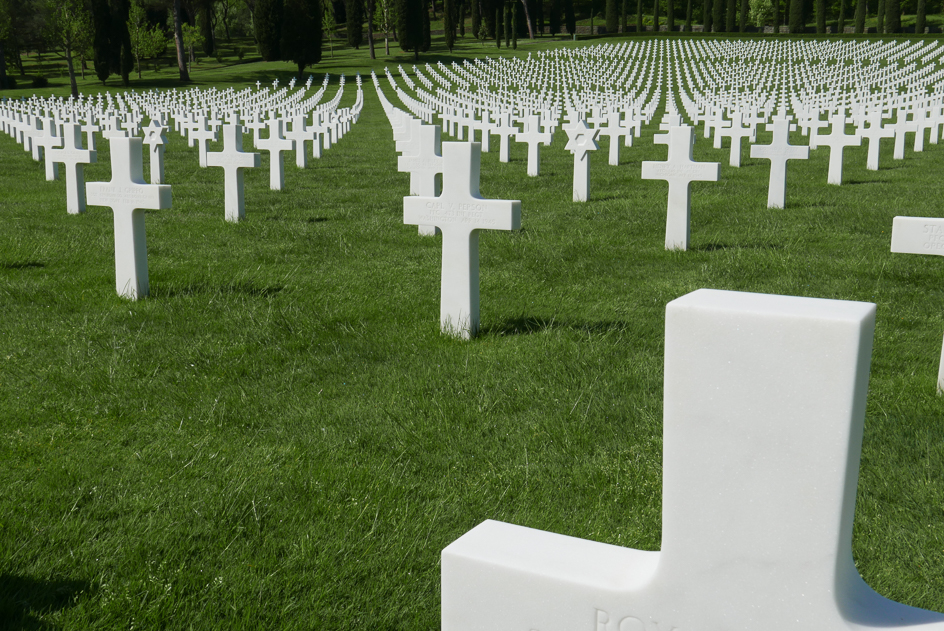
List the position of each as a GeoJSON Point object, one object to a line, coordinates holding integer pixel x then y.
{"type": "Point", "coordinates": [280, 438]}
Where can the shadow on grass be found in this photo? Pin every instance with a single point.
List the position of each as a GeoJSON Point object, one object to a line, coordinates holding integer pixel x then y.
{"type": "Point", "coordinates": [20, 264]}
{"type": "Point", "coordinates": [22, 598]}
{"type": "Point", "coordinates": [713, 247]}
{"type": "Point", "coordinates": [194, 289]}
{"type": "Point", "coordinates": [526, 325]}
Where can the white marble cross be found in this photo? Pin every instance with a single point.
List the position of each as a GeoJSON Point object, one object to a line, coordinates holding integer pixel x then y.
{"type": "Point", "coordinates": [679, 170]}
{"type": "Point", "coordinates": [837, 140]}
{"type": "Point", "coordinates": [47, 138]}
{"type": "Point", "coordinates": [460, 213]}
{"type": "Point", "coordinates": [902, 126]}
{"type": "Point", "coordinates": [233, 159]}
{"type": "Point", "coordinates": [874, 134]}
{"type": "Point", "coordinates": [921, 235]}
{"type": "Point", "coordinates": [580, 141]}
{"type": "Point", "coordinates": [504, 130]}
{"type": "Point", "coordinates": [736, 131]}
{"type": "Point", "coordinates": [275, 144]}
{"type": "Point", "coordinates": [128, 196]}
{"type": "Point", "coordinates": [202, 135]}
{"type": "Point", "coordinates": [535, 138]}
{"type": "Point", "coordinates": [778, 152]}
{"type": "Point", "coordinates": [422, 159]}
{"type": "Point", "coordinates": [155, 138]}
{"type": "Point", "coordinates": [74, 157]}
{"type": "Point", "coordinates": [764, 406]}
{"type": "Point", "coordinates": [615, 129]}
{"type": "Point", "coordinates": [299, 134]}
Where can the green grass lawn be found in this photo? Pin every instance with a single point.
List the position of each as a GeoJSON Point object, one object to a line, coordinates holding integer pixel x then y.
{"type": "Point", "coordinates": [280, 438]}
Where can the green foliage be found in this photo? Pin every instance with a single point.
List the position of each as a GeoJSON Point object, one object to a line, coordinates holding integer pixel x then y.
{"type": "Point", "coordinates": [893, 16]}
{"type": "Point", "coordinates": [268, 23]}
{"type": "Point", "coordinates": [413, 26]}
{"type": "Point", "coordinates": [570, 19]}
{"type": "Point", "coordinates": [301, 33]}
{"type": "Point", "coordinates": [354, 12]}
{"type": "Point", "coordinates": [796, 17]}
{"type": "Point", "coordinates": [329, 25]}
{"type": "Point", "coordinates": [39, 81]}
{"type": "Point", "coordinates": [192, 39]}
{"type": "Point", "coordinates": [612, 16]}
{"type": "Point", "coordinates": [760, 12]}
{"type": "Point", "coordinates": [449, 23]}
{"type": "Point", "coordinates": [147, 41]}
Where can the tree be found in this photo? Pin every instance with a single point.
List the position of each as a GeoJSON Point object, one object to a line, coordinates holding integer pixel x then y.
{"type": "Point", "coordinates": [476, 18]}
{"type": "Point", "coordinates": [880, 17]}
{"type": "Point", "coordinates": [449, 24]}
{"type": "Point", "coordinates": [612, 16]}
{"type": "Point", "coordinates": [192, 38]}
{"type": "Point", "coordinates": [742, 17]}
{"type": "Point", "coordinates": [570, 20]}
{"type": "Point", "coordinates": [920, 17]}
{"type": "Point", "coordinates": [385, 19]}
{"type": "Point", "coordinates": [412, 26]}
{"type": "Point", "coordinates": [717, 16]}
{"type": "Point", "coordinates": [706, 16]}
{"type": "Point", "coordinates": [508, 23]}
{"type": "Point", "coordinates": [670, 15]}
{"type": "Point", "coordinates": [841, 26]}
{"type": "Point", "coordinates": [527, 18]}
{"type": "Point", "coordinates": [355, 22]}
{"type": "Point", "coordinates": [639, 26]}
{"type": "Point", "coordinates": [68, 25]}
{"type": "Point", "coordinates": [268, 27]}
{"type": "Point", "coordinates": [688, 16]}
{"type": "Point", "coordinates": [301, 33]}
{"type": "Point", "coordinates": [655, 15]}
{"type": "Point", "coordinates": [146, 41]}
{"type": "Point", "coordinates": [796, 16]}
{"type": "Point", "coordinates": [329, 25]}
{"type": "Point", "coordinates": [893, 16]}
{"type": "Point", "coordinates": [205, 11]}
{"type": "Point", "coordinates": [861, 8]}
{"type": "Point", "coordinates": [554, 18]}
{"type": "Point", "coordinates": [101, 39]}
{"type": "Point", "coordinates": [179, 42]}
{"type": "Point", "coordinates": [777, 18]}
{"type": "Point", "coordinates": [730, 17]}
{"type": "Point", "coordinates": [369, 6]}
{"type": "Point", "coordinates": [820, 16]}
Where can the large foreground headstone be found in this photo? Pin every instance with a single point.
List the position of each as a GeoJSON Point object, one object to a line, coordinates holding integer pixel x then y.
{"type": "Point", "coordinates": [921, 235]}
{"type": "Point", "coordinates": [763, 420]}
{"type": "Point", "coordinates": [128, 196]}
{"type": "Point", "coordinates": [459, 213]}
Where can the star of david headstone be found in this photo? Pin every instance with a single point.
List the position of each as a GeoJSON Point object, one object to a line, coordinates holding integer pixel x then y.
{"type": "Point", "coordinates": [580, 141]}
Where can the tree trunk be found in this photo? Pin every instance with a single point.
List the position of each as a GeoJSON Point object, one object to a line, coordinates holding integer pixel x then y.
{"type": "Point", "coordinates": [370, 30]}
{"type": "Point", "coordinates": [841, 26]}
{"type": "Point", "coordinates": [861, 7]}
{"type": "Point", "coordinates": [3, 67]}
{"type": "Point", "coordinates": [820, 16]}
{"type": "Point", "coordinates": [688, 17]}
{"type": "Point", "coordinates": [179, 43]}
{"type": "Point", "coordinates": [742, 17]}
{"type": "Point", "coordinates": [527, 18]}
{"type": "Point", "coordinates": [880, 18]}
{"type": "Point", "coordinates": [919, 17]}
{"type": "Point", "coordinates": [670, 15]}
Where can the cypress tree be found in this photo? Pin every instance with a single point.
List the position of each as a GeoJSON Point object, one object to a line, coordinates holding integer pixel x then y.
{"type": "Point", "coordinates": [820, 16]}
{"type": "Point", "coordinates": [777, 20]}
{"type": "Point", "coordinates": [122, 57]}
{"type": "Point", "coordinates": [706, 16]}
{"type": "Point", "coordinates": [841, 25]}
{"type": "Point", "coordinates": [670, 14]}
{"type": "Point", "coordinates": [655, 16]}
{"type": "Point", "coordinates": [717, 16]}
{"type": "Point", "coordinates": [730, 17]}
{"type": "Point", "coordinates": [570, 20]}
{"type": "Point", "coordinates": [205, 18]}
{"type": "Point", "coordinates": [101, 39]}
{"type": "Point", "coordinates": [499, 26]}
{"type": "Point", "coordinates": [554, 18]}
{"type": "Point", "coordinates": [449, 24]}
{"type": "Point", "coordinates": [425, 32]}
{"type": "Point", "coordinates": [639, 26]}
{"type": "Point", "coordinates": [410, 23]}
{"type": "Point", "coordinates": [880, 17]}
{"type": "Point", "coordinates": [268, 27]}
{"type": "Point", "coordinates": [612, 16]}
{"type": "Point", "coordinates": [514, 25]}
{"type": "Point", "coordinates": [688, 16]}
{"type": "Point", "coordinates": [354, 10]}
{"type": "Point", "coordinates": [893, 16]}
{"type": "Point", "coordinates": [301, 33]}
{"type": "Point", "coordinates": [476, 18]}
{"type": "Point", "coordinates": [861, 9]}
{"type": "Point", "coordinates": [920, 17]}
{"type": "Point", "coordinates": [461, 17]}
{"type": "Point", "coordinates": [539, 16]}
{"type": "Point", "coordinates": [742, 16]}
{"type": "Point", "coordinates": [796, 16]}
{"type": "Point", "coordinates": [509, 25]}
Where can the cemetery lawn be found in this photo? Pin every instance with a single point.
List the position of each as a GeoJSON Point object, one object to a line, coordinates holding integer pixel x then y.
{"type": "Point", "coordinates": [280, 438]}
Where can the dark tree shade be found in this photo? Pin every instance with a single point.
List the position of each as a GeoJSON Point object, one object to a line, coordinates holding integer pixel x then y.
{"type": "Point", "coordinates": [354, 10]}
{"type": "Point", "coordinates": [706, 16]}
{"type": "Point", "coordinates": [880, 17]}
{"type": "Point", "coordinates": [639, 26]}
{"type": "Point", "coordinates": [893, 16]}
{"type": "Point", "coordinates": [539, 17]}
{"type": "Point", "coordinates": [449, 23]}
{"type": "Point", "coordinates": [410, 26]}
{"type": "Point", "coordinates": [777, 19]}
{"type": "Point", "coordinates": [205, 10]}
{"type": "Point", "coordinates": [670, 14]}
{"type": "Point", "coordinates": [655, 16]}
{"type": "Point", "coordinates": [861, 9]}
{"type": "Point", "coordinates": [268, 23]}
{"type": "Point", "coordinates": [554, 17]}
{"type": "Point", "coordinates": [301, 33]}
{"type": "Point", "coordinates": [742, 16]}
{"type": "Point", "coordinates": [796, 16]}
{"type": "Point", "coordinates": [920, 11]}
{"type": "Point", "coordinates": [717, 16]}
{"type": "Point", "coordinates": [101, 39]}
{"type": "Point", "coordinates": [476, 18]}
{"type": "Point", "coordinates": [624, 9]}
{"type": "Point", "coordinates": [612, 16]}
{"type": "Point", "coordinates": [730, 16]}
{"type": "Point", "coordinates": [509, 25]}
{"type": "Point", "coordinates": [570, 20]}
{"type": "Point", "coordinates": [424, 14]}
{"type": "Point", "coordinates": [820, 16]}
{"type": "Point", "coordinates": [688, 16]}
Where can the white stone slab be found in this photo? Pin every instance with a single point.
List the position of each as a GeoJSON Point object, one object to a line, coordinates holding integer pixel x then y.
{"type": "Point", "coordinates": [763, 421]}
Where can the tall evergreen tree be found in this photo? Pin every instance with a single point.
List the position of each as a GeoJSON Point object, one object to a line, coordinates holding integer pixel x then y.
{"type": "Point", "coordinates": [612, 16]}
{"type": "Point", "coordinates": [301, 33]}
{"type": "Point", "coordinates": [205, 10]}
{"type": "Point", "coordinates": [639, 25]}
{"type": "Point", "coordinates": [570, 20]}
{"type": "Point", "coordinates": [268, 26]}
{"type": "Point", "coordinates": [476, 18]}
{"type": "Point", "coordinates": [101, 39]}
{"type": "Point", "coordinates": [670, 14]}
{"type": "Point", "coordinates": [354, 10]}
{"type": "Point", "coordinates": [893, 16]}
{"type": "Point", "coordinates": [796, 16]}
{"type": "Point", "coordinates": [920, 11]}
{"type": "Point", "coordinates": [841, 22]}
{"type": "Point", "coordinates": [499, 26]}
{"type": "Point", "coordinates": [880, 17]}
{"type": "Point", "coordinates": [717, 16]}
{"type": "Point", "coordinates": [509, 24]}
{"type": "Point", "coordinates": [777, 18]}
{"type": "Point", "coordinates": [554, 18]}
{"type": "Point", "coordinates": [742, 16]}
{"type": "Point", "coordinates": [706, 21]}
{"type": "Point", "coordinates": [730, 16]}
{"type": "Point", "coordinates": [410, 26]}
{"type": "Point", "coordinates": [624, 8]}
{"type": "Point", "coordinates": [425, 32]}
{"type": "Point", "coordinates": [370, 7]}
{"type": "Point", "coordinates": [655, 16]}
{"type": "Point", "coordinates": [539, 17]}
{"type": "Point", "coordinates": [862, 7]}
{"type": "Point", "coordinates": [688, 16]}
{"type": "Point", "coordinates": [449, 24]}
{"type": "Point", "coordinates": [122, 54]}
{"type": "Point", "coordinates": [820, 16]}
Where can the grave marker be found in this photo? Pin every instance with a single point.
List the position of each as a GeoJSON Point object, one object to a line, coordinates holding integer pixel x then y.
{"type": "Point", "coordinates": [460, 213]}
{"type": "Point", "coordinates": [74, 157]}
{"type": "Point", "coordinates": [679, 170]}
{"type": "Point", "coordinates": [128, 196]}
{"type": "Point", "coordinates": [762, 434]}
{"type": "Point", "coordinates": [233, 159]}
{"type": "Point", "coordinates": [778, 152]}
{"type": "Point", "coordinates": [156, 138]}
{"type": "Point", "coordinates": [580, 141]}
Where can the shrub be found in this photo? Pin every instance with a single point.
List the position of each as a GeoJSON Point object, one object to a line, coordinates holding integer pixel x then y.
{"type": "Point", "coordinates": [11, 83]}
{"type": "Point", "coordinates": [40, 81]}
